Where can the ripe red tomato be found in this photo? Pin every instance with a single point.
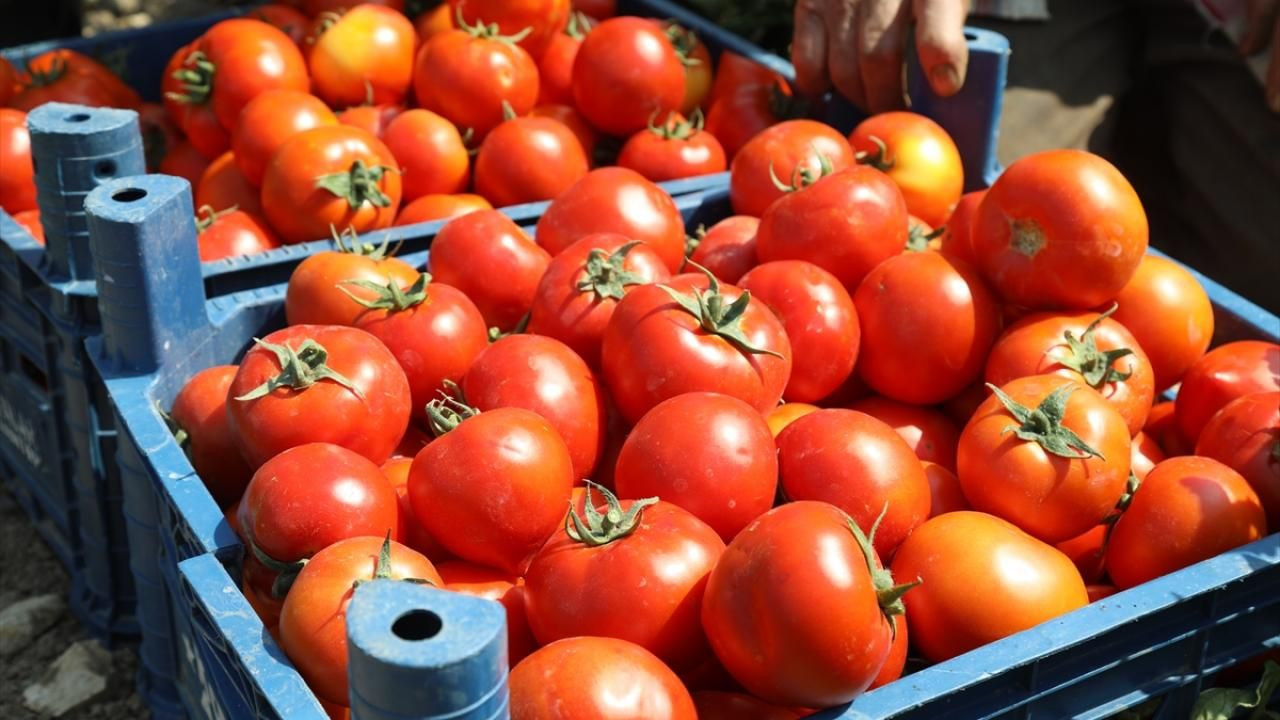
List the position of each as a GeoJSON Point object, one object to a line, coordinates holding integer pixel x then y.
{"type": "Point", "coordinates": [582, 286]}
{"type": "Point", "coordinates": [1187, 510]}
{"type": "Point", "coordinates": [313, 622]}
{"type": "Point", "coordinates": [490, 584]}
{"type": "Point", "coordinates": [626, 72]}
{"type": "Point", "coordinates": [798, 153]}
{"type": "Point", "coordinates": [919, 156]}
{"type": "Point", "coordinates": [1061, 229]}
{"type": "Point", "coordinates": [916, 301]}
{"type": "Point", "coordinates": [222, 187]}
{"type": "Point", "coordinates": [470, 75]}
{"type": "Point", "coordinates": [955, 553]}
{"type": "Point", "coordinates": [615, 200]}
{"type": "Point", "coordinates": [820, 320]}
{"type": "Point", "coordinates": [587, 136]}
{"type": "Point", "coordinates": [693, 335]}
{"type": "Point", "coordinates": [597, 9]}
{"type": "Point", "coordinates": [289, 20]}
{"type": "Point", "coordinates": [677, 149]}
{"type": "Point", "coordinates": [584, 677]}
{"type": "Point", "coordinates": [514, 264]}
{"type": "Point", "coordinates": [268, 121]}
{"type": "Point", "coordinates": [529, 159]}
{"type": "Point", "coordinates": [430, 23]}
{"type": "Point", "coordinates": [534, 22]}
{"type": "Point", "coordinates": [928, 432]}
{"type": "Point", "coordinates": [1087, 552]}
{"type": "Point", "coordinates": [440, 207]}
{"type": "Point", "coordinates": [1145, 454]}
{"type": "Point", "coordinates": [1046, 453]}
{"type": "Point", "coordinates": [945, 493]}
{"type": "Point", "coordinates": [334, 176]}
{"type": "Point", "coordinates": [30, 220]}
{"type": "Point", "coordinates": [343, 382]}
{"type": "Point", "coordinates": [1245, 435]}
{"type": "Point", "coordinates": [184, 161]}
{"type": "Point", "coordinates": [728, 248]}
{"type": "Point", "coordinates": [17, 177]}
{"type": "Point", "coordinates": [199, 417]}
{"type": "Point", "coordinates": [1169, 314]}
{"type": "Point", "coordinates": [319, 291]}
{"type": "Point", "coordinates": [373, 119]}
{"type": "Point", "coordinates": [734, 71]}
{"type": "Point", "coordinates": [739, 113]}
{"type": "Point", "coordinates": [413, 534]}
{"type": "Point", "coordinates": [365, 55]}
{"type": "Point", "coordinates": [959, 228]}
{"type": "Point", "coordinates": [555, 66]}
{"type": "Point", "coordinates": [1228, 372]}
{"type": "Point", "coordinates": [430, 153]}
{"type": "Point", "coordinates": [897, 660]}
{"type": "Point", "coordinates": [719, 705]}
{"type": "Point", "coordinates": [232, 233]}
{"type": "Point", "coordinates": [67, 76]}
{"type": "Point", "coordinates": [8, 81]}
{"type": "Point", "coordinates": [710, 454]}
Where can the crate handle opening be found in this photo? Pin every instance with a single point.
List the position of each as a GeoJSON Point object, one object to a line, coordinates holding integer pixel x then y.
{"type": "Point", "coordinates": [129, 195]}
{"type": "Point", "coordinates": [417, 625]}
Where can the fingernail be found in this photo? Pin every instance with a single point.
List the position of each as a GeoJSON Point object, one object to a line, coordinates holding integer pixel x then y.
{"type": "Point", "coordinates": [945, 79]}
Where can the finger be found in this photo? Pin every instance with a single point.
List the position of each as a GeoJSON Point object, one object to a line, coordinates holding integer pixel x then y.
{"type": "Point", "coordinates": [1259, 17]}
{"type": "Point", "coordinates": [881, 33]}
{"type": "Point", "coordinates": [809, 47]}
{"type": "Point", "coordinates": [1273, 71]}
{"type": "Point", "coordinates": [944, 55]}
{"type": "Point", "coordinates": [842, 50]}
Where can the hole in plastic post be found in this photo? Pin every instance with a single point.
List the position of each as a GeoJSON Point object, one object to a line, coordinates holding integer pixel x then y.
{"type": "Point", "coordinates": [104, 169]}
{"type": "Point", "coordinates": [417, 625]}
{"type": "Point", "coordinates": [78, 117]}
{"type": "Point", "coordinates": [129, 195]}
{"type": "Point", "coordinates": [970, 35]}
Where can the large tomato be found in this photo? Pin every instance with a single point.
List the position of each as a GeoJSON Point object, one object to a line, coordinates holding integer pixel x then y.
{"type": "Point", "coordinates": [1169, 314]}
{"type": "Point", "coordinates": [365, 55]}
{"type": "Point", "coordinates": [529, 159]}
{"type": "Point", "coordinates": [17, 177]}
{"type": "Point", "coordinates": [928, 322]}
{"type": "Point", "coordinates": [963, 560]}
{"type": "Point", "coordinates": [222, 187]}
{"type": "Point", "coordinates": [470, 75]}
{"type": "Point", "coordinates": [232, 233]}
{"type": "Point", "coordinates": [431, 154]}
{"type": "Point", "coordinates": [1245, 435]}
{"type": "Point", "coordinates": [919, 156]}
{"type": "Point", "coordinates": [1226, 373]}
{"type": "Point", "coordinates": [199, 419]}
{"type": "Point", "coordinates": [676, 149]}
{"type": "Point", "coordinates": [927, 431]}
{"type": "Point", "coordinates": [321, 291]}
{"type": "Point", "coordinates": [491, 584]}
{"type": "Point", "coordinates": [310, 383]}
{"type": "Point", "coordinates": [1060, 229]}
{"type": "Point", "coordinates": [728, 248]}
{"type": "Point", "coordinates": [440, 207]}
{"type": "Point", "coordinates": [268, 121]}
{"type": "Point", "coordinates": [334, 176]}
{"type": "Point", "coordinates": [1046, 453]}
{"type": "Point", "coordinates": [1188, 509]}
{"type": "Point", "coordinates": [534, 22]}
{"type": "Point", "coordinates": [795, 153]}
{"type": "Point", "coordinates": [626, 72]}
{"type": "Point", "coordinates": [70, 77]}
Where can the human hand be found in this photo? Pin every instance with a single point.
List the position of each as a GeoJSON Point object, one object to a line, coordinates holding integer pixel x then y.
{"type": "Point", "coordinates": [857, 45]}
{"type": "Point", "coordinates": [1262, 28]}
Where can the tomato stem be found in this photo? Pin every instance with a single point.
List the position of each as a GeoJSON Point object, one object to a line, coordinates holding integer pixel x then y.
{"type": "Point", "coordinates": [918, 239]}
{"type": "Point", "coordinates": [196, 75]}
{"type": "Point", "coordinates": [490, 31]}
{"type": "Point", "coordinates": [714, 315]}
{"type": "Point", "coordinates": [206, 216]}
{"type": "Point", "coordinates": [1043, 424]}
{"type": "Point", "coordinates": [299, 369]}
{"type": "Point", "coordinates": [44, 78]}
{"type": "Point", "coordinates": [286, 572]}
{"type": "Point", "coordinates": [603, 528]}
{"type": "Point", "coordinates": [888, 594]}
{"type": "Point", "coordinates": [449, 410]}
{"type": "Point", "coordinates": [390, 296]}
{"type": "Point", "coordinates": [802, 175]}
{"type": "Point", "coordinates": [607, 277]}
{"type": "Point", "coordinates": [691, 242]}
{"type": "Point", "coordinates": [879, 159]}
{"type": "Point", "coordinates": [1094, 365]}
{"type": "Point", "coordinates": [358, 185]}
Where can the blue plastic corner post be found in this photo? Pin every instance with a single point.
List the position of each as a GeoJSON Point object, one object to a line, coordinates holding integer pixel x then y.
{"type": "Point", "coordinates": [150, 292]}
{"type": "Point", "coordinates": [419, 653]}
{"type": "Point", "coordinates": [74, 149]}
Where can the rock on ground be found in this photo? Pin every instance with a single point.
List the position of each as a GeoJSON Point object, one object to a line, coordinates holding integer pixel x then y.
{"type": "Point", "coordinates": [25, 620]}
{"type": "Point", "coordinates": [76, 677]}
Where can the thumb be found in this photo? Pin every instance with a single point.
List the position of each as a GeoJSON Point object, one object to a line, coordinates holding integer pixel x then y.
{"type": "Point", "coordinates": [940, 43]}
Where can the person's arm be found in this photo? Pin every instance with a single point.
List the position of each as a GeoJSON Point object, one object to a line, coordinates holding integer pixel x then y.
{"type": "Point", "coordinates": [1262, 29]}
{"type": "Point", "coordinates": [857, 46]}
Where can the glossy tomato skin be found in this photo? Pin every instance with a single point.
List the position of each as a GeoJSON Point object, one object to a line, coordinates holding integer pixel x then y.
{"type": "Point", "coordinates": [369, 422]}
{"type": "Point", "coordinates": [728, 248]}
{"type": "Point", "coordinates": [573, 120]}
{"type": "Point", "coordinates": [315, 293]}
{"type": "Point", "coordinates": [659, 157]}
{"type": "Point", "coordinates": [1187, 510]}
{"type": "Point", "coordinates": [1051, 497]}
{"type": "Point", "coordinates": [491, 584]}
{"type": "Point", "coordinates": [1245, 435]}
{"type": "Point", "coordinates": [720, 705]}
{"type": "Point", "coordinates": [1145, 455]}
{"type": "Point", "coordinates": [820, 320]}
{"type": "Point", "coordinates": [1060, 229]}
{"type": "Point", "coordinates": [924, 300]}
{"type": "Point", "coordinates": [432, 22]}
{"type": "Point", "coordinates": [1162, 426]}
{"type": "Point", "coordinates": [430, 153]}
{"type": "Point", "coordinates": [921, 158]}
{"type": "Point", "coordinates": [250, 57]}
{"type": "Point", "coordinates": [222, 187]}
{"type": "Point", "coordinates": [412, 533]}
{"type": "Point", "coordinates": [896, 662]}
{"type": "Point", "coordinates": [578, 317]}
{"type": "Point", "coordinates": [1087, 552]}
{"type": "Point", "coordinates": [930, 434]}
{"type": "Point", "coordinates": [234, 234]}
{"type": "Point", "coordinates": [620, 201]}
{"type": "Point", "coordinates": [555, 65]}
{"type": "Point", "coordinates": [490, 508]}
{"type": "Point", "coordinates": [373, 119]}
{"type": "Point", "coordinates": [268, 121]}
{"type": "Point", "coordinates": [467, 79]}
{"type": "Point", "coordinates": [542, 18]}
{"type": "Point", "coordinates": [17, 178]}
{"type": "Point", "coordinates": [792, 149]}
{"type": "Point", "coordinates": [514, 264]}
{"type": "Point", "coordinates": [626, 71]}
{"type": "Point", "coordinates": [529, 159]}
{"type": "Point", "coordinates": [1036, 345]}
{"type": "Point", "coordinates": [955, 240]}
{"type": "Point", "coordinates": [791, 609]}
{"type": "Point", "coordinates": [711, 454]}
{"type": "Point", "coordinates": [365, 56]}
{"type": "Point", "coordinates": [597, 677]}
{"type": "Point", "coordinates": [201, 410]}
{"type": "Point", "coordinates": [440, 207]}
{"type": "Point", "coordinates": [313, 622]}
{"type": "Point", "coordinates": [956, 553]}
{"type": "Point", "coordinates": [739, 112]}
{"type": "Point", "coordinates": [1169, 314]}
{"type": "Point", "coordinates": [945, 493]}
{"type": "Point", "coordinates": [1227, 372]}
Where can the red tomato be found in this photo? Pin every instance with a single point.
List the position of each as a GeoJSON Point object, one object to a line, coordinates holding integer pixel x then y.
{"type": "Point", "coordinates": [17, 177]}
{"type": "Point", "coordinates": [396, 470]}
{"type": "Point", "coordinates": [959, 228]}
{"type": "Point", "coordinates": [945, 493]}
{"type": "Point", "coordinates": [1162, 426]}
{"type": "Point", "coordinates": [334, 176]}
{"type": "Point", "coordinates": [430, 23]}
{"type": "Point", "coordinates": [581, 287]}
{"type": "Point", "coordinates": [597, 677]}
{"type": "Point", "coordinates": [289, 20]}
{"type": "Point", "coordinates": [820, 320]}
{"type": "Point", "coordinates": [1228, 372]}
{"type": "Point", "coordinates": [320, 293]}
{"type": "Point", "coordinates": [1187, 510]}
{"type": "Point", "coordinates": [897, 660]}
{"type": "Point", "coordinates": [928, 322]}
{"type": "Point", "coordinates": [615, 200]}
{"type": "Point", "coordinates": [738, 115]}
{"type": "Point", "coordinates": [199, 418]}
{"type": "Point", "coordinates": [232, 233]}
{"type": "Point", "coordinates": [955, 553]}
{"type": "Point", "coordinates": [626, 72]}
{"type": "Point", "coordinates": [469, 76]}
{"type": "Point", "coordinates": [710, 454]}
{"type": "Point", "coordinates": [928, 432]}
{"type": "Point", "coordinates": [184, 161]}
{"type": "Point", "coordinates": [1087, 552]}
{"type": "Point", "coordinates": [919, 156]}
{"type": "Point", "coordinates": [1060, 229]}
{"type": "Point", "coordinates": [70, 77]}
{"type": "Point", "coordinates": [440, 207]}
{"type": "Point", "coordinates": [30, 220]}
{"type": "Point", "coordinates": [677, 149]}
{"type": "Point", "coordinates": [268, 121]}
{"type": "Point", "coordinates": [365, 55]}
{"type": "Point", "coordinates": [8, 81]}
{"type": "Point", "coordinates": [529, 159]}
{"type": "Point", "coordinates": [798, 152]}
{"type": "Point", "coordinates": [534, 22]}
{"type": "Point", "coordinates": [490, 584]}
{"type": "Point", "coordinates": [514, 264]}
{"type": "Point", "coordinates": [313, 622]}
{"type": "Point", "coordinates": [728, 249]}
{"type": "Point", "coordinates": [343, 381]}
{"type": "Point", "coordinates": [555, 66]}
{"type": "Point", "coordinates": [718, 705]}
{"type": "Point", "coordinates": [598, 9]}
{"type": "Point", "coordinates": [1245, 435]}
{"type": "Point", "coordinates": [1099, 592]}
{"type": "Point", "coordinates": [1145, 454]}
{"type": "Point", "coordinates": [734, 71]}
{"type": "Point", "coordinates": [586, 134]}
{"type": "Point", "coordinates": [1170, 316]}
{"type": "Point", "coordinates": [222, 187]}
{"type": "Point", "coordinates": [373, 119]}
{"type": "Point", "coordinates": [430, 153]}
{"type": "Point", "coordinates": [1066, 467]}
{"type": "Point", "coordinates": [691, 336]}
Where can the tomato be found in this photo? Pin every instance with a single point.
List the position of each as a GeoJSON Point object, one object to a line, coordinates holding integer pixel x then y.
{"type": "Point", "coordinates": [434, 21]}
{"type": "Point", "coordinates": [1227, 372]}
{"type": "Point", "coordinates": [1090, 348]}
{"type": "Point", "coordinates": [785, 414]}
{"type": "Point", "coordinates": [1087, 552]}
{"type": "Point", "coordinates": [677, 149]}
{"type": "Point", "coordinates": [17, 176]}
{"type": "Point", "coordinates": [334, 176]}
{"type": "Point", "coordinates": [490, 584]}
{"type": "Point", "coordinates": [545, 376]}
{"type": "Point", "coordinates": [710, 454]}
{"type": "Point", "coordinates": [919, 156]}
{"type": "Point", "coordinates": [1169, 314]}
{"type": "Point", "coordinates": [696, 59]}
{"type": "Point", "coordinates": [930, 434]}
{"type": "Point", "coordinates": [30, 220]}
{"type": "Point", "coordinates": [255, 575]}
{"type": "Point", "coordinates": [792, 611]}
{"type": "Point", "coordinates": [70, 77]}
{"type": "Point", "coordinates": [288, 20]}
{"type": "Point", "coordinates": [595, 677]}
{"type": "Point", "coordinates": [514, 265]}
{"type": "Point", "coordinates": [268, 121]}
{"type": "Point", "coordinates": [945, 493]}
{"type": "Point", "coordinates": [1061, 229]}
{"type": "Point", "coordinates": [963, 559]}
{"type": "Point", "coordinates": [693, 335]}
{"type": "Point", "coordinates": [315, 8]}
{"type": "Point", "coordinates": [799, 152]}
{"type": "Point", "coordinates": [396, 471]}
{"type": "Point", "coordinates": [598, 9]}
{"type": "Point", "coordinates": [718, 705]}
{"type": "Point", "coordinates": [365, 55]}
{"type": "Point", "coordinates": [440, 207]}
{"type": "Point", "coordinates": [232, 233]}
{"type": "Point", "coordinates": [495, 509]}
{"type": "Point", "coordinates": [555, 66]}
{"type": "Point", "coordinates": [199, 419]}
{"type": "Point", "coordinates": [538, 20]}
{"type": "Point", "coordinates": [955, 240]}
{"type": "Point", "coordinates": [615, 200]}
{"type": "Point", "coordinates": [896, 662]}
{"type": "Point", "coordinates": [860, 465]}
{"type": "Point", "coordinates": [928, 322]}
{"type": "Point", "coordinates": [738, 115]}
{"type": "Point", "coordinates": [529, 159]}
{"type": "Point", "coordinates": [223, 187]}
{"type": "Point", "coordinates": [627, 71]}
{"type": "Point", "coordinates": [430, 153]}
{"type": "Point", "coordinates": [820, 320]}
{"type": "Point", "coordinates": [184, 161]}
{"type": "Point", "coordinates": [1245, 435]}
{"type": "Point", "coordinates": [373, 119]}
{"type": "Point", "coordinates": [470, 75]}
{"type": "Point", "coordinates": [1187, 510]}
{"type": "Point", "coordinates": [656, 557]}
{"type": "Point", "coordinates": [8, 81]}
{"type": "Point", "coordinates": [586, 134]}
{"type": "Point", "coordinates": [1066, 467]}
{"type": "Point", "coordinates": [583, 285]}
{"type": "Point", "coordinates": [313, 622]}
{"type": "Point", "coordinates": [342, 381]}
{"type": "Point", "coordinates": [319, 292]}
{"type": "Point", "coordinates": [1145, 454]}
{"type": "Point", "coordinates": [734, 71]}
